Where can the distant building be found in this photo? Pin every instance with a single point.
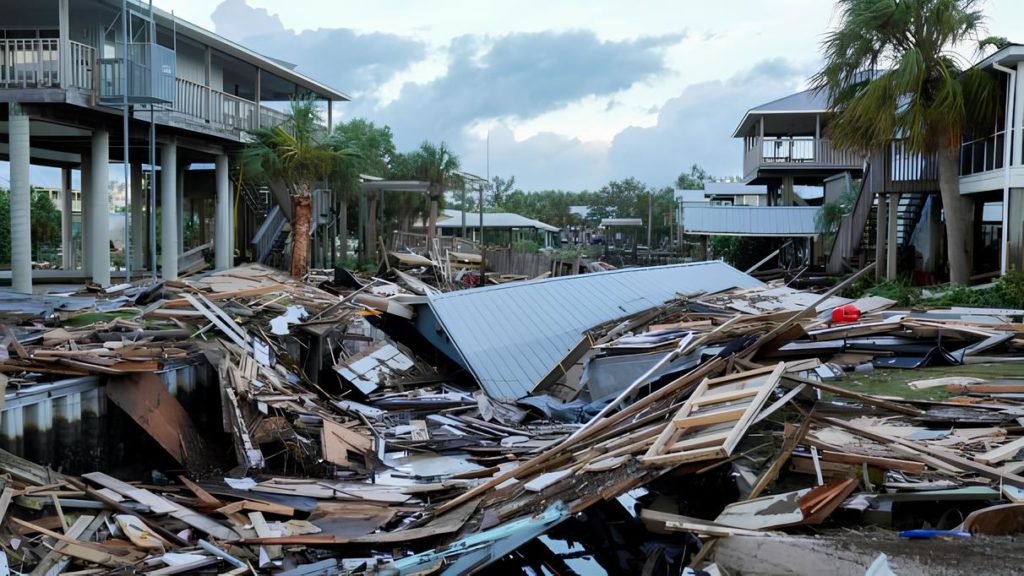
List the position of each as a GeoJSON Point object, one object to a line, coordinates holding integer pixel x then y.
{"type": "Point", "coordinates": [499, 228]}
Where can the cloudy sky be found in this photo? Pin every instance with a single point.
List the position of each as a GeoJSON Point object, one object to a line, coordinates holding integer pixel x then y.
{"type": "Point", "coordinates": [572, 92]}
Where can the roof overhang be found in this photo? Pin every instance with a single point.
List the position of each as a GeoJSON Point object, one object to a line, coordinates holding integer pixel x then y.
{"type": "Point", "coordinates": [754, 115]}
{"type": "Point", "coordinates": [394, 185]}
{"type": "Point", "coordinates": [1009, 56]}
{"type": "Point", "coordinates": [265, 63]}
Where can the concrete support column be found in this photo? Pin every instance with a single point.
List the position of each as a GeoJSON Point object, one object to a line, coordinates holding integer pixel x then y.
{"type": "Point", "coordinates": [64, 41]}
{"type": "Point", "coordinates": [21, 201]}
{"type": "Point", "coordinates": [181, 209]}
{"type": "Point", "coordinates": [85, 181]}
{"type": "Point", "coordinates": [138, 219]}
{"type": "Point", "coordinates": [890, 253]}
{"type": "Point", "coordinates": [98, 208]}
{"type": "Point", "coordinates": [169, 219]}
{"type": "Point", "coordinates": [66, 219]}
{"type": "Point", "coordinates": [881, 235]}
{"type": "Point", "coordinates": [223, 224]}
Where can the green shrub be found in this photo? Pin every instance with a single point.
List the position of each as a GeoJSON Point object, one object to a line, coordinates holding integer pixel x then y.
{"type": "Point", "coordinates": [963, 296]}
{"type": "Point", "coordinates": [526, 246]}
{"type": "Point", "coordinates": [899, 290]}
{"type": "Point", "coordinates": [1011, 289]}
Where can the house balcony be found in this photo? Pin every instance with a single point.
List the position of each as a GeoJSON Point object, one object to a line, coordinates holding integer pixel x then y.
{"type": "Point", "coordinates": [36, 64]}
{"type": "Point", "coordinates": [767, 157]}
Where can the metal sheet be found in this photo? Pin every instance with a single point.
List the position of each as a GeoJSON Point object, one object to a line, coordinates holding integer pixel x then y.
{"type": "Point", "coordinates": [510, 336]}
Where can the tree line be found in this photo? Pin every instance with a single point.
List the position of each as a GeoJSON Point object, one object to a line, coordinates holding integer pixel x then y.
{"type": "Point", "coordinates": [295, 158]}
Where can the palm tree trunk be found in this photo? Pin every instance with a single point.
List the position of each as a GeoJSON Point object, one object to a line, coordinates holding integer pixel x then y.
{"type": "Point", "coordinates": [958, 217]}
{"type": "Point", "coordinates": [371, 226]}
{"type": "Point", "coordinates": [432, 222]}
{"type": "Point", "coordinates": [302, 204]}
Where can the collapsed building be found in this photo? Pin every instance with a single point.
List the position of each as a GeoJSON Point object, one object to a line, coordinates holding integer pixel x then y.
{"type": "Point", "coordinates": [676, 416]}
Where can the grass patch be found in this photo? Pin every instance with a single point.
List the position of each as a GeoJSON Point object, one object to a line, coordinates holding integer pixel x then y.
{"type": "Point", "coordinates": [893, 382]}
{"type": "Point", "coordinates": [86, 318]}
{"type": "Point", "coordinates": [1006, 292]}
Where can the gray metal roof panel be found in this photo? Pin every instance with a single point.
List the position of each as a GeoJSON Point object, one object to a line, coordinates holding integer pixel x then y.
{"type": "Point", "coordinates": [453, 219]}
{"type": "Point", "coordinates": [751, 220]}
{"type": "Point", "coordinates": [807, 101]}
{"type": "Point", "coordinates": [511, 335]}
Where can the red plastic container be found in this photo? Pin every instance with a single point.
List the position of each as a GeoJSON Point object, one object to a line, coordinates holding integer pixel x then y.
{"type": "Point", "coordinates": [845, 314]}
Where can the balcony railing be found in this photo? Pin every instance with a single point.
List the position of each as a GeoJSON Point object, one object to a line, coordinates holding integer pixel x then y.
{"type": "Point", "coordinates": [982, 154]}
{"type": "Point", "coordinates": [214, 106]}
{"type": "Point", "coordinates": [151, 72]}
{"type": "Point", "coordinates": [30, 62]}
{"type": "Point", "coordinates": [795, 152]}
{"type": "Point", "coordinates": [36, 63]}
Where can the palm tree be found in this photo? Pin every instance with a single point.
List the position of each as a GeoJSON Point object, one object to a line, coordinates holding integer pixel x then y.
{"type": "Point", "coordinates": [376, 151]}
{"type": "Point", "coordinates": [292, 159]}
{"type": "Point", "coordinates": [437, 165]}
{"type": "Point", "coordinates": [891, 72]}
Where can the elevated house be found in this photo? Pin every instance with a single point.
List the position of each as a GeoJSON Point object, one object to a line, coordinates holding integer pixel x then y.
{"type": "Point", "coordinates": [992, 172]}
{"type": "Point", "coordinates": [70, 70]}
{"type": "Point", "coordinates": [895, 213]}
{"type": "Point", "coordinates": [786, 146]}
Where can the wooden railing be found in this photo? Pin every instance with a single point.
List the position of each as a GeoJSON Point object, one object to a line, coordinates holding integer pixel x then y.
{"type": "Point", "coordinates": [30, 63]}
{"type": "Point", "coordinates": [908, 171]}
{"type": "Point", "coordinates": [270, 117]}
{"type": "Point", "coordinates": [82, 66]}
{"type": "Point", "coordinates": [850, 232]}
{"type": "Point", "coordinates": [36, 63]}
{"type": "Point", "coordinates": [214, 106]}
{"type": "Point", "coordinates": [794, 151]}
{"type": "Point", "coordinates": [401, 240]}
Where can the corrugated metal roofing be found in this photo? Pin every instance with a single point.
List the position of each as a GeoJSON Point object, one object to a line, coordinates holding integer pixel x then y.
{"type": "Point", "coordinates": [510, 336]}
{"type": "Point", "coordinates": [751, 220]}
{"type": "Point", "coordinates": [807, 101]}
{"type": "Point", "coordinates": [453, 219]}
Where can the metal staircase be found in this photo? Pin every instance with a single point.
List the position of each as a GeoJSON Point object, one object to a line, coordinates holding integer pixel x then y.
{"type": "Point", "coordinates": [261, 223]}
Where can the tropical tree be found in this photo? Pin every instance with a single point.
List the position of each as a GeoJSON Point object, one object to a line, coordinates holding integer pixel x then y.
{"type": "Point", "coordinates": [892, 71]}
{"type": "Point", "coordinates": [405, 207]}
{"type": "Point", "coordinates": [375, 146]}
{"type": "Point", "coordinates": [438, 166]}
{"type": "Point", "coordinates": [500, 189]}
{"type": "Point", "coordinates": [292, 159]}
{"type": "Point", "coordinates": [692, 180]}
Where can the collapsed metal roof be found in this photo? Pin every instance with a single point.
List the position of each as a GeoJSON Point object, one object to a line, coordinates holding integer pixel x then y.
{"type": "Point", "coordinates": [510, 336]}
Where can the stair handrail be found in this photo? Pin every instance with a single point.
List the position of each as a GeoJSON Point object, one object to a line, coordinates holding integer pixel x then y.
{"type": "Point", "coordinates": [851, 226]}
{"type": "Point", "coordinates": [263, 240]}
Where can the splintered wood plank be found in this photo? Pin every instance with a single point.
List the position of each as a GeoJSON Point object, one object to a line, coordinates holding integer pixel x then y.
{"type": "Point", "coordinates": [726, 396]}
{"type": "Point", "coordinates": [338, 441]}
{"type": "Point", "coordinates": [205, 498]}
{"type": "Point", "coordinates": [54, 562]}
{"type": "Point", "coordinates": [88, 551]}
{"type": "Point", "coordinates": [700, 441]}
{"type": "Point", "coordinates": [1004, 452]}
{"type": "Point", "coordinates": [160, 505]}
{"type": "Point", "coordinates": [157, 504]}
{"type": "Point", "coordinates": [730, 415]}
{"type": "Point", "coordinates": [145, 398]}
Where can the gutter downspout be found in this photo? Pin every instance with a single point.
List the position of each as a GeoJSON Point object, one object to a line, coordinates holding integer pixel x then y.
{"type": "Point", "coordinates": [1009, 129]}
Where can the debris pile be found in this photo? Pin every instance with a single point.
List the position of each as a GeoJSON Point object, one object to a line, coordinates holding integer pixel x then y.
{"type": "Point", "coordinates": [380, 427]}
